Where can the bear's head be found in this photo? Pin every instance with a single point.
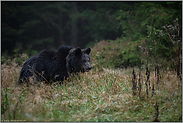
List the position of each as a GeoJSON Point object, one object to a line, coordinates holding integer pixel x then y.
{"type": "Point", "coordinates": [78, 60]}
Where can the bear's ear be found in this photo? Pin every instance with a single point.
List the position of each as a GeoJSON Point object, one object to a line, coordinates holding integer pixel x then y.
{"type": "Point", "coordinates": [88, 50]}
{"type": "Point", "coordinates": [78, 51]}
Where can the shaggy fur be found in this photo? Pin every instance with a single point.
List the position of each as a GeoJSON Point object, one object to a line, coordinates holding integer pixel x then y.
{"type": "Point", "coordinates": [55, 65]}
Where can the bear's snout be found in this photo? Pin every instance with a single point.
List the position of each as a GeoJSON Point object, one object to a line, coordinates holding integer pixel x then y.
{"type": "Point", "coordinates": [90, 67]}
{"type": "Point", "coordinates": [86, 69]}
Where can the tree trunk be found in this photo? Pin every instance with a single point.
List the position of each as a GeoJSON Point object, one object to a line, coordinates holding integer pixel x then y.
{"type": "Point", "coordinates": [61, 40]}
{"type": "Point", "coordinates": [74, 27]}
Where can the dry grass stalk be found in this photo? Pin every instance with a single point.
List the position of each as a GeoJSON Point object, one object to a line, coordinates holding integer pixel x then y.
{"type": "Point", "coordinates": [99, 95]}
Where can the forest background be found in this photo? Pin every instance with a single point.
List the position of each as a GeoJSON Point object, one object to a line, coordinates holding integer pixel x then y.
{"type": "Point", "coordinates": [29, 27]}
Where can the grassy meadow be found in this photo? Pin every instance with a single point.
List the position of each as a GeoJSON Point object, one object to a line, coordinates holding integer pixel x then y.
{"type": "Point", "coordinates": [100, 95]}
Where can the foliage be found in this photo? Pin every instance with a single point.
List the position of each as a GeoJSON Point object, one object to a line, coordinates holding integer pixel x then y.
{"type": "Point", "coordinates": [101, 23]}
{"type": "Point", "coordinates": [29, 27]}
{"type": "Point", "coordinates": [134, 19]}
{"type": "Point", "coordinates": [33, 26]}
{"type": "Point", "coordinates": [166, 40]}
{"type": "Point", "coordinates": [19, 59]}
{"type": "Point", "coordinates": [116, 54]}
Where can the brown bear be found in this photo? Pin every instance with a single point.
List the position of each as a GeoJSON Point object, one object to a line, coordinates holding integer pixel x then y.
{"type": "Point", "coordinates": [55, 65]}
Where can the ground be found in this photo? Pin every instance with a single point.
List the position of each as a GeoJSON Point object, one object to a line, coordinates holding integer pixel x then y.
{"type": "Point", "coordinates": [98, 95]}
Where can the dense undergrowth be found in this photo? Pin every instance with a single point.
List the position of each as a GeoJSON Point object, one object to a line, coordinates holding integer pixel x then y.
{"type": "Point", "coordinates": [123, 54]}
{"type": "Point", "coordinates": [103, 94]}
{"type": "Point", "coordinates": [116, 54]}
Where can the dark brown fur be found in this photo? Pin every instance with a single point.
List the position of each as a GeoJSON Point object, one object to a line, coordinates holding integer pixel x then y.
{"type": "Point", "coordinates": [57, 65]}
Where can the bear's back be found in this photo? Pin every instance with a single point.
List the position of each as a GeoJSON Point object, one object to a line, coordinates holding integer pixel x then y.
{"type": "Point", "coordinates": [64, 50]}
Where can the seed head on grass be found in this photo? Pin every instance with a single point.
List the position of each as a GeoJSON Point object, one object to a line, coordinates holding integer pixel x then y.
{"type": "Point", "coordinates": [95, 96]}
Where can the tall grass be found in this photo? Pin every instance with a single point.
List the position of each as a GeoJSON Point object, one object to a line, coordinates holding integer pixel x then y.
{"type": "Point", "coordinates": [99, 95]}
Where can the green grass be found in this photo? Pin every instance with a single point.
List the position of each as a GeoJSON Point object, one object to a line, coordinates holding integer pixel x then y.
{"type": "Point", "coordinates": [96, 96]}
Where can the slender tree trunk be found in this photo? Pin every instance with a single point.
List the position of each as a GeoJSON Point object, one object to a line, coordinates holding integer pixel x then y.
{"type": "Point", "coordinates": [61, 39]}
{"type": "Point", "coordinates": [74, 27]}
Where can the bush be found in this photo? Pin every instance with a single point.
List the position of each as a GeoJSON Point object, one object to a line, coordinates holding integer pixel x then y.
{"type": "Point", "coordinates": [18, 59]}
{"type": "Point", "coordinates": [116, 54]}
